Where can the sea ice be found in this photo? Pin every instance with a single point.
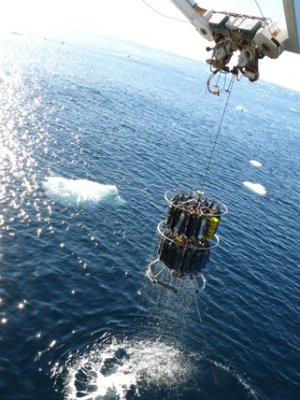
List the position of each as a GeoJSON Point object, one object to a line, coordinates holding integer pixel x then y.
{"type": "Point", "coordinates": [256, 164]}
{"type": "Point", "coordinates": [79, 191]}
{"type": "Point", "coordinates": [240, 108]}
{"type": "Point", "coordinates": [256, 188]}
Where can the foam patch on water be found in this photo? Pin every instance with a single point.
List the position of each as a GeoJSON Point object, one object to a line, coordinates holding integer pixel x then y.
{"type": "Point", "coordinates": [256, 163]}
{"type": "Point", "coordinates": [80, 191]}
{"type": "Point", "coordinates": [256, 188]}
{"type": "Point", "coordinates": [130, 369]}
{"type": "Point", "coordinates": [112, 371]}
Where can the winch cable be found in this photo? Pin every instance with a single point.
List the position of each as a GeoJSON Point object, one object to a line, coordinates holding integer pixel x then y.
{"type": "Point", "coordinates": [260, 10]}
{"type": "Point", "coordinates": [229, 90]}
{"type": "Point", "coordinates": [263, 17]}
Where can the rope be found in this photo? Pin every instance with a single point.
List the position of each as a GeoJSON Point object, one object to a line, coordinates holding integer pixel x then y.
{"type": "Point", "coordinates": [204, 335]}
{"type": "Point", "coordinates": [161, 14]}
{"type": "Point", "coordinates": [263, 17]}
{"type": "Point", "coordinates": [229, 90]}
{"type": "Point", "coordinates": [260, 10]}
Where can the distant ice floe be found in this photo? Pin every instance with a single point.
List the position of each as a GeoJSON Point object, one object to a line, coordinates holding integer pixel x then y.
{"type": "Point", "coordinates": [132, 56]}
{"type": "Point", "coordinates": [256, 164]}
{"type": "Point", "coordinates": [256, 188]}
{"type": "Point", "coordinates": [80, 191]}
{"type": "Point", "coordinates": [240, 108]}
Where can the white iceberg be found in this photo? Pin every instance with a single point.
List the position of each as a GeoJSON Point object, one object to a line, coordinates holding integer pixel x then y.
{"type": "Point", "coordinates": [80, 191]}
{"type": "Point", "coordinates": [256, 164]}
{"type": "Point", "coordinates": [256, 188]}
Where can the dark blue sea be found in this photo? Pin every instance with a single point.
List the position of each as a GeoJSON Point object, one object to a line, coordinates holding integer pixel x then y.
{"type": "Point", "coordinates": [93, 132]}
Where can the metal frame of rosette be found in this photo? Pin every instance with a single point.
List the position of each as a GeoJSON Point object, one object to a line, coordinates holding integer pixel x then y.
{"type": "Point", "coordinates": [186, 237]}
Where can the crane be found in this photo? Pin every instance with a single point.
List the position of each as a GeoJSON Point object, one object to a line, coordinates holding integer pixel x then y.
{"type": "Point", "coordinates": [250, 38]}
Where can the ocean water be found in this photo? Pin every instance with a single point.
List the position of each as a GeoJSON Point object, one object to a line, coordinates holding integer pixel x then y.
{"type": "Point", "coordinates": [93, 132]}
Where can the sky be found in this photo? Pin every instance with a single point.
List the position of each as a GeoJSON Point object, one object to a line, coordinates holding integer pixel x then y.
{"type": "Point", "coordinates": [135, 21]}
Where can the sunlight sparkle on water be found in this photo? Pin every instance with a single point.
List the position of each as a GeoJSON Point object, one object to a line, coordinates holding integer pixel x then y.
{"type": "Point", "coordinates": [21, 306]}
{"type": "Point", "coordinates": [20, 137]}
{"type": "Point", "coordinates": [52, 344]}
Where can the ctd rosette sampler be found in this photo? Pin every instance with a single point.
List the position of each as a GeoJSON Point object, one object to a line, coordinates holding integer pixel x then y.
{"type": "Point", "coordinates": [186, 238]}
